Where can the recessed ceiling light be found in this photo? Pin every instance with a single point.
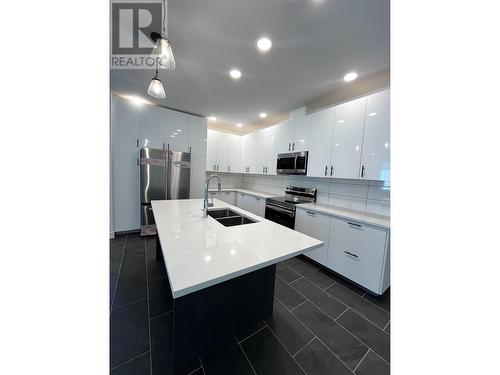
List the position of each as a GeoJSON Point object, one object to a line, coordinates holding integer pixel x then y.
{"type": "Point", "coordinates": [263, 115]}
{"type": "Point", "coordinates": [264, 44]}
{"type": "Point", "coordinates": [172, 136]}
{"type": "Point", "coordinates": [372, 114]}
{"type": "Point", "coordinates": [235, 74]}
{"type": "Point", "coordinates": [239, 124]}
{"type": "Point", "coordinates": [340, 121]}
{"type": "Point", "coordinates": [175, 133]}
{"type": "Point", "coordinates": [179, 130]}
{"type": "Point", "coordinates": [211, 118]}
{"type": "Point", "coordinates": [351, 76]}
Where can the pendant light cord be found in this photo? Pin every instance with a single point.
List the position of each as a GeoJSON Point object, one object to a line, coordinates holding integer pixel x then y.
{"type": "Point", "coordinates": [165, 20]}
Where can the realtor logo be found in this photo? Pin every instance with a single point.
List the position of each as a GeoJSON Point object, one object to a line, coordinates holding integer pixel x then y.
{"type": "Point", "coordinates": [131, 28]}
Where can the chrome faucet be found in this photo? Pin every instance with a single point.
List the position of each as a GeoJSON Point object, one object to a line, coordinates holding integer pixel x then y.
{"type": "Point", "coordinates": [205, 201]}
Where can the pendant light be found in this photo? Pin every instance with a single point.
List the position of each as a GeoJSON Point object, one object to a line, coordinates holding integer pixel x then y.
{"type": "Point", "coordinates": [155, 88]}
{"type": "Point", "coordinates": [163, 49]}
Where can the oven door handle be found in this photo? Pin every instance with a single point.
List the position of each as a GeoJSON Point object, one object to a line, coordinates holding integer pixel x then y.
{"type": "Point", "coordinates": [282, 210]}
{"type": "Point", "coordinates": [295, 162]}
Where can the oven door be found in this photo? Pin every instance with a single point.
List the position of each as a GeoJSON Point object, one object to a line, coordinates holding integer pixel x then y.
{"type": "Point", "coordinates": [280, 215]}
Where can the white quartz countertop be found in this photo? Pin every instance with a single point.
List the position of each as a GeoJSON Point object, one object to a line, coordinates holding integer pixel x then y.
{"type": "Point", "coordinates": [200, 252]}
{"type": "Point", "coordinates": [244, 191]}
{"type": "Point", "coordinates": [373, 219]}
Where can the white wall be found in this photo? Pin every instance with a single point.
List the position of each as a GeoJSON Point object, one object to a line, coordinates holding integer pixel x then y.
{"type": "Point", "coordinates": [361, 195]}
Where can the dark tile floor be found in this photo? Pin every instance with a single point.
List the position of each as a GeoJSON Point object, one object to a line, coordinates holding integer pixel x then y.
{"type": "Point", "coordinates": [321, 323]}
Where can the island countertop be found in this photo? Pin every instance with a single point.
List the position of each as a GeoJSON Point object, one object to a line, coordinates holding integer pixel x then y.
{"type": "Point", "coordinates": [201, 252]}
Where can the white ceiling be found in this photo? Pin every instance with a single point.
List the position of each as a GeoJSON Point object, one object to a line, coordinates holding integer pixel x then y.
{"type": "Point", "coordinates": [315, 42]}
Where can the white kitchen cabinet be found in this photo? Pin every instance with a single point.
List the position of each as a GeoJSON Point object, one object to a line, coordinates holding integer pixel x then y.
{"type": "Point", "coordinates": [233, 153]}
{"type": "Point", "coordinates": [198, 135]}
{"type": "Point", "coordinates": [283, 137]}
{"type": "Point", "coordinates": [245, 154]}
{"type": "Point", "coordinates": [316, 225]}
{"type": "Point", "coordinates": [243, 201]}
{"type": "Point", "coordinates": [212, 137]}
{"type": "Point", "coordinates": [177, 133]}
{"type": "Point", "coordinates": [126, 123]}
{"type": "Point", "coordinates": [348, 138]}
{"type": "Point", "coordinates": [375, 161]}
{"type": "Point", "coordinates": [251, 158]}
{"type": "Point", "coordinates": [360, 253]}
{"type": "Point", "coordinates": [251, 203]}
{"type": "Point", "coordinates": [126, 191]}
{"type": "Point", "coordinates": [153, 127]}
{"type": "Point", "coordinates": [319, 163]}
{"type": "Point", "coordinates": [228, 197]}
{"type": "Point", "coordinates": [222, 152]}
{"type": "Point", "coordinates": [301, 133]}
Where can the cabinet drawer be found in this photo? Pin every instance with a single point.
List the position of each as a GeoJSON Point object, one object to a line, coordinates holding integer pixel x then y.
{"type": "Point", "coordinates": [356, 266]}
{"type": "Point", "coordinates": [360, 238]}
{"type": "Point", "coordinates": [316, 225]}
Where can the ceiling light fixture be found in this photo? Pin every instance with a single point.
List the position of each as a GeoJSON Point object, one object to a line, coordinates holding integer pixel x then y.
{"type": "Point", "coordinates": [351, 76]}
{"type": "Point", "coordinates": [239, 124]}
{"type": "Point", "coordinates": [235, 74]}
{"type": "Point", "coordinates": [264, 44]}
{"type": "Point", "coordinates": [262, 115]}
{"type": "Point", "coordinates": [155, 88]}
{"type": "Point", "coordinates": [163, 48]}
{"type": "Point", "coordinates": [372, 114]}
{"type": "Point", "coordinates": [211, 118]}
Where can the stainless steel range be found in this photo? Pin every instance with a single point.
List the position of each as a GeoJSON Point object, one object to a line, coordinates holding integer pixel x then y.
{"type": "Point", "coordinates": [281, 210]}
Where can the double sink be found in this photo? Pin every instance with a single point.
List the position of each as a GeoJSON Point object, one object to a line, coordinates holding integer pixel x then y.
{"type": "Point", "coordinates": [229, 218]}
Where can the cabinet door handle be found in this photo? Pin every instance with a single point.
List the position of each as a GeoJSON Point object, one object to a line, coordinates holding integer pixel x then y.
{"type": "Point", "coordinates": [293, 146]}
{"type": "Point", "coordinates": [326, 169]}
{"type": "Point", "coordinates": [357, 226]}
{"type": "Point", "coordinates": [137, 142]}
{"type": "Point", "coordinates": [362, 171]}
{"type": "Point", "coordinates": [242, 194]}
{"type": "Point", "coordinates": [262, 170]}
{"type": "Point", "coordinates": [164, 145]}
{"type": "Point", "coordinates": [351, 254]}
{"type": "Point", "coordinates": [137, 161]}
{"type": "Point", "coordinates": [217, 167]}
{"type": "Point", "coordinates": [311, 213]}
{"type": "Point", "coordinates": [214, 167]}
{"type": "Point", "coordinates": [289, 147]}
{"type": "Point", "coordinates": [331, 170]}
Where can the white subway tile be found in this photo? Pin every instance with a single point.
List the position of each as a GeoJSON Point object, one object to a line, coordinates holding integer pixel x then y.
{"type": "Point", "coordinates": [352, 190]}
{"type": "Point", "coordinates": [352, 203]}
{"type": "Point", "coordinates": [379, 193]}
{"type": "Point", "coordinates": [378, 207]}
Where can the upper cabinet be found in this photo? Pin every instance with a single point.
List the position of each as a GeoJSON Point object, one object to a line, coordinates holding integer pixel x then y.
{"type": "Point", "coordinates": [320, 154]}
{"type": "Point", "coordinates": [301, 133]}
{"type": "Point", "coordinates": [375, 160]}
{"type": "Point", "coordinates": [223, 152]}
{"type": "Point", "coordinates": [153, 127]}
{"type": "Point", "coordinates": [126, 123]}
{"type": "Point", "coordinates": [283, 134]}
{"type": "Point", "coordinates": [198, 135]}
{"type": "Point", "coordinates": [177, 134]}
{"type": "Point", "coordinates": [348, 138]}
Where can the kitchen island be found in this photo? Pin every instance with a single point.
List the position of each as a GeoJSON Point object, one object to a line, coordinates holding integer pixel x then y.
{"type": "Point", "coordinates": [221, 277]}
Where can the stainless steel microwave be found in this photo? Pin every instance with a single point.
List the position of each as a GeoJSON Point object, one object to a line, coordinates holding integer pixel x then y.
{"type": "Point", "coordinates": [292, 163]}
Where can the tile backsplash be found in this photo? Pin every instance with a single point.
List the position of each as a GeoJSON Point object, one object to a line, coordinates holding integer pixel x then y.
{"type": "Point", "coordinates": [361, 195]}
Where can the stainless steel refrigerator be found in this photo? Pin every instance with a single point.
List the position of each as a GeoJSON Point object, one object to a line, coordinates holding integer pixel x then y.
{"type": "Point", "coordinates": [165, 174]}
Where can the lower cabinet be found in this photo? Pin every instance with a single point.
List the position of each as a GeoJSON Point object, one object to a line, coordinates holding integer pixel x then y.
{"type": "Point", "coordinates": [253, 204]}
{"type": "Point", "coordinates": [316, 225]}
{"type": "Point", "coordinates": [357, 251]}
{"type": "Point", "coordinates": [228, 197]}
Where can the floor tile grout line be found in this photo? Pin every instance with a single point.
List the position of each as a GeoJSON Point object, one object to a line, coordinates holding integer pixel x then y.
{"type": "Point", "coordinates": [307, 299]}
{"type": "Point", "coordinates": [312, 333]}
{"type": "Point", "coordinates": [368, 351]}
{"type": "Point", "coordinates": [118, 276]}
{"type": "Point", "coordinates": [149, 313]}
{"type": "Point", "coordinates": [245, 354]}
{"type": "Point", "coordinates": [284, 347]}
{"type": "Point", "coordinates": [129, 303]}
{"type": "Point", "coordinates": [300, 304]}
{"type": "Point", "coordinates": [160, 315]}
{"type": "Point", "coordinates": [364, 299]}
{"type": "Point", "coordinates": [354, 309]}
{"type": "Point", "coordinates": [201, 365]}
{"type": "Point", "coordinates": [304, 346]}
{"type": "Point", "coordinates": [254, 333]}
{"type": "Point", "coordinates": [129, 360]}
{"type": "Point", "coordinates": [386, 326]}
{"type": "Point", "coordinates": [196, 369]}
{"type": "Point", "coordinates": [341, 314]}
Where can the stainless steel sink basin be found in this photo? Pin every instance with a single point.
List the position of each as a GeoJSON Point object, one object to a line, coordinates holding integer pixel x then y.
{"type": "Point", "coordinates": [235, 220]}
{"type": "Point", "coordinates": [222, 212]}
{"type": "Point", "coordinates": [229, 218]}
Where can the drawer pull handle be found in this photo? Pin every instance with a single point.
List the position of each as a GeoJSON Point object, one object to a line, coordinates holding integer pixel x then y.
{"type": "Point", "coordinates": [354, 225]}
{"type": "Point", "coordinates": [351, 254]}
{"type": "Point", "coordinates": [311, 213]}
